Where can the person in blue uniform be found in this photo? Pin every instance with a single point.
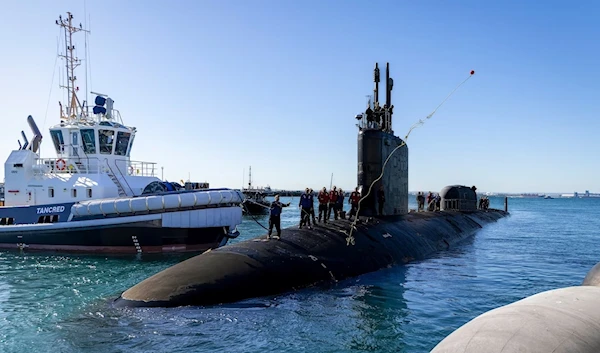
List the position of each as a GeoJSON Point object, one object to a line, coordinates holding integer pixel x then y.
{"type": "Point", "coordinates": [311, 195]}
{"type": "Point", "coordinates": [275, 218]}
{"type": "Point", "coordinates": [305, 204]}
{"type": "Point", "coordinates": [339, 205]}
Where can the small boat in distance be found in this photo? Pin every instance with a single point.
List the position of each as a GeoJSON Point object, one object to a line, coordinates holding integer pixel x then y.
{"type": "Point", "coordinates": [93, 198]}
{"type": "Point", "coordinates": [255, 201]}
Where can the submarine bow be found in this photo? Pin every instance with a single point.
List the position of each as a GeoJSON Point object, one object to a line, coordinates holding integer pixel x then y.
{"type": "Point", "coordinates": [257, 267]}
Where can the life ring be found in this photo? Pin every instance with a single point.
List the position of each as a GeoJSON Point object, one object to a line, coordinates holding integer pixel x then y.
{"type": "Point", "coordinates": [61, 164]}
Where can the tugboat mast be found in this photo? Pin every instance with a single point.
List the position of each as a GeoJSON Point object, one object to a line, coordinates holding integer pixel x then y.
{"type": "Point", "coordinates": [75, 109]}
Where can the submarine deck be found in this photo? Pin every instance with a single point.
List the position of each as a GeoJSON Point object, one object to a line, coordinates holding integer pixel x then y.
{"type": "Point", "coordinates": [304, 257]}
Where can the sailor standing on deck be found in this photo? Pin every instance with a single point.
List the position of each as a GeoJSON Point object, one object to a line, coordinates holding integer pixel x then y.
{"type": "Point", "coordinates": [311, 195]}
{"type": "Point", "coordinates": [275, 218]}
{"type": "Point", "coordinates": [353, 200]}
{"type": "Point", "coordinates": [323, 201]}
{"type": "Point", "coordinates": [305, 204]}
{"type": "Point", "coordinates": [420, 201]}
{"type": "Point", "coordinates": [333, 195]}
{"type": "Point", "coordinates": [340, 203]}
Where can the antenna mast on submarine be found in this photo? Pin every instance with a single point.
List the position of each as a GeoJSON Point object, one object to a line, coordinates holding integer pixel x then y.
{"type": "Point", "coordinates": [376, 80]}
{"type": "Point", "coordinates": [378, 117]}
{"type": "Point", "coordinates": [388, 107]}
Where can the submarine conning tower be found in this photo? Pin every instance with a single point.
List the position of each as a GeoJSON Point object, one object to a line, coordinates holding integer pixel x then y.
{"type": "Point", "coordinates": [376, 141]}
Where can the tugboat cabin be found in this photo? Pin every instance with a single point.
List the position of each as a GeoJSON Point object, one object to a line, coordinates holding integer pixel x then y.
{"type": "Point", "coordinates": [93, 160]}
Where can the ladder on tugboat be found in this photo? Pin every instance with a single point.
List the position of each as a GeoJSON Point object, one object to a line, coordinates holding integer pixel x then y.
{"type": "Point", "coordinates": [112, 177]}
{"type": "Point", "coordinates": [82, 168]}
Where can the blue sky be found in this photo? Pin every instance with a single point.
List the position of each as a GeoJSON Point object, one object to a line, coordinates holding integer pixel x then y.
{"type": "Point", "coordinates": [216, 86]}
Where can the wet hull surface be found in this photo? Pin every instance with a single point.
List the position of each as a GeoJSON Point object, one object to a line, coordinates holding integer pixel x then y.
{"type": "Point", "coordinates": [138, 237]}
{"type": "Point", "coordinates": [305, 257]}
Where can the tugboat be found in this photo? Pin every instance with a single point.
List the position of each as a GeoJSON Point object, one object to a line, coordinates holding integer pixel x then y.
{"type": "Point", "coordinates": [255, 202]}
{"type": "Point", "coordinates": [94, 198]}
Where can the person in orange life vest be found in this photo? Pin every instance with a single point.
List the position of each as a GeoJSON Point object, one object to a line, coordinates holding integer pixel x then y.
{"type": "Point", "coordinates": [380, 199]}
{"type": "Point", "coordinates": [353, 201]}
{"type": "Point", "coordinates": [305, 204]}
{"type": "Point", "coordinates": [429, 199]}
{"type": "Point", "coordinates": [332, 202]}
{"type": "Point", "coordinates": [323, 198]}
{"type": "Point", "coordinates": [275, 218]}
{"type": "Point", "coordinates": [311, 194]}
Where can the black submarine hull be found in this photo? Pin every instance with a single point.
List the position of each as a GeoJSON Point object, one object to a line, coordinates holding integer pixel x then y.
{"type": "Point", "coordinates": [304, 257]}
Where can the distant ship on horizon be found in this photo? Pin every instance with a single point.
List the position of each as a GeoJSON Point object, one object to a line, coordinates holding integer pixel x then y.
{"type": "Point", "coordinates": [586, 194]}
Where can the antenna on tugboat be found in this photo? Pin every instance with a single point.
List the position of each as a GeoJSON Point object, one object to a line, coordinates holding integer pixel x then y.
{"type": "Point", "coordinates": [71, 62]}
{"type": "Point", "coordinates": [87, 100]}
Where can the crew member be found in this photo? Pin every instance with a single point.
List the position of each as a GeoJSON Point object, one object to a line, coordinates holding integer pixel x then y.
{"type": "Point", "coordinates": [430, 205]}
{"type": "Point", "coordinates": [323, 198]}
{"type": "Point", "coordinates": [275, 218]}
{"type": "Point", "coordinates": [340, 204]}
{"type": "Point", "coordinates": [420, 201]}
{"type": "Point", "coordinates": [311, 195]}
{"type": "Point", "coordinates": [353, 200]}
{"type": "Point", "coordinates": [333, 195]}
{"type": "Point", "coordinates": [380, 199]}
{"type": "Point", "coordinates": [305, 204]}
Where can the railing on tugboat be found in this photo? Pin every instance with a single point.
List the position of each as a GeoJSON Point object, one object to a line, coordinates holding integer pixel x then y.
{"type": "Point", "coordinates": [117, 180]}
{"type": "Point", "coordinates": [93, 165]}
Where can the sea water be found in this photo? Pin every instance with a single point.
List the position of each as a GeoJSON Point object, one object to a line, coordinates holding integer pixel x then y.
{"type": "Point", "coordinates": [62, 303]}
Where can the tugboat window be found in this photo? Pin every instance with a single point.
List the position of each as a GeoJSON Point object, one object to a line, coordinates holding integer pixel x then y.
{"type": "Point", "coordinates": [50, 192]}
{"type": "Point", "coordinates": [57, 138]}
{"type": "Point", "coordinates": [89, 193]}
{"type": "Point", "coordinates": [7, 221]}
{"type": "Point", "coordinates": [130, 145]}
{"type": "Point", "coordinates": [122, 143]}
{"type": "Point", "coordinates": [74, 192]}
{"type": "Point", "coordinates": [89, 141]}
{"type": "Point", "coordinates": [106, 139]}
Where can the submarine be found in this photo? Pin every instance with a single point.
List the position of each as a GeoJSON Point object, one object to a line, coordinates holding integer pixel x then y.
{"type": "Point", "coordinates": [335, 250]}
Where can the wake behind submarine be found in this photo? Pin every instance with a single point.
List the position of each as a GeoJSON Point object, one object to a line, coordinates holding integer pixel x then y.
{"type": "Point", "coordinates": [332, 251]}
